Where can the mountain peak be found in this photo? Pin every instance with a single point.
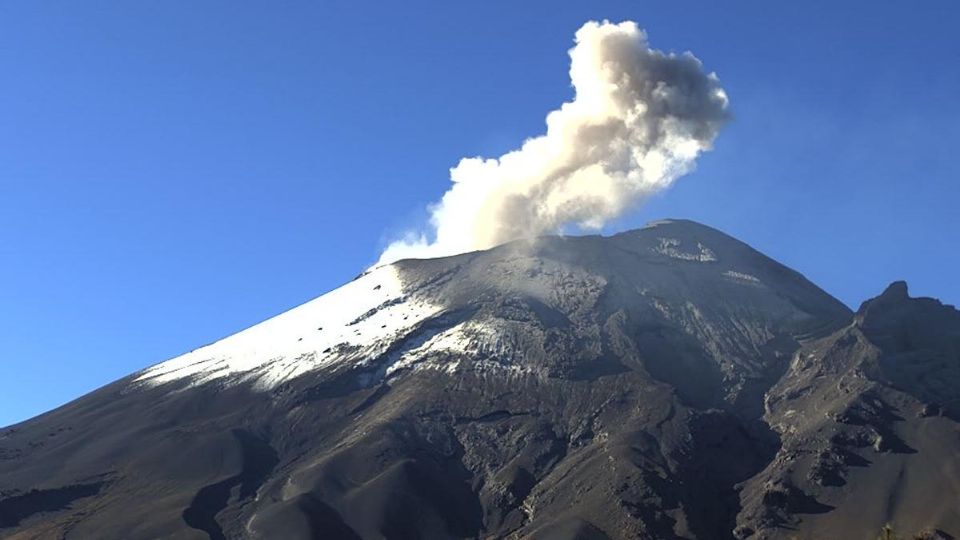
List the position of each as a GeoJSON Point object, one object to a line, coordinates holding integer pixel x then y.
{"type": "Point", "coordinates": [901, 321]}
{"type": "Point", "coordinates": [893, 298]}
{"type": "Point", "coordinates": [896, 290]}
{"type": "Point", "coordinates": [664, 382]}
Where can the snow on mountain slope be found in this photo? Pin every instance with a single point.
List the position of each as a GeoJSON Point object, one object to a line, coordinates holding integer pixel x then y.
{"type": "Point", "coordinates": [377, 313]}
{"type": "Point", "coordinates": [356, 321]}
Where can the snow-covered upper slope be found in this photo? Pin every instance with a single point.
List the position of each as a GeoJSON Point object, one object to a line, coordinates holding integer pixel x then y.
{"type": "Point", "coordinates": [494, 309]}
{"type": "Point", "coordinates": [357, 321]}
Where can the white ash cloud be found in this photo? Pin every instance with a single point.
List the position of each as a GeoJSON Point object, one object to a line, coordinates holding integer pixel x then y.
{"type": "Point", "coordinates": [638, 121]}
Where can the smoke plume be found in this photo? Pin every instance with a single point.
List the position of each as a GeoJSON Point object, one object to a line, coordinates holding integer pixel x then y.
{"type": "Point", "coordinates": [638, 120]}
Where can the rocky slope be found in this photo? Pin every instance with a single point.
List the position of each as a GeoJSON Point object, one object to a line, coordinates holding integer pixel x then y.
{"type": "Point", "coordinates": [669, 382]}
{"type": "Point", "coordinates": [868, 423]}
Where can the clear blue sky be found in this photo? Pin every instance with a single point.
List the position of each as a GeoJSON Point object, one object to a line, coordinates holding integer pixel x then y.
{"type": "Point", "coordinates": [173, 171]}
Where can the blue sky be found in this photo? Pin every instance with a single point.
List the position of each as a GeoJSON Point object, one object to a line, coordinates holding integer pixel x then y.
{"type": "Point", "coordinates": [172, 172]}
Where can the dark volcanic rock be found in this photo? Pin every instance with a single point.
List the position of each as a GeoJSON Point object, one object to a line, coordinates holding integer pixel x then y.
{"type": "Point", "coordinates": [859, 416]}
{"type": "Point", "coordinates": [669, 382]}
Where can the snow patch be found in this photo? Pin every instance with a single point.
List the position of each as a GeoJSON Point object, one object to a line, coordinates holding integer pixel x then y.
{"type": "Point", "coordinates": [478, 347]}
{"type": "Point", "coordinates": [356, 322]}
{"type": "Point", "coordinates": [451, 341]}
{"type": "Point", "coordinates": [741, 276]}
{"type": "Point", "coordinates": [673, 248]}
{"type": "Point", "coordinates": [657, 223]}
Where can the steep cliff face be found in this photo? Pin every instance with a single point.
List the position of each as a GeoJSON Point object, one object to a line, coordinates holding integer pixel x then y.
{"type": "Point", "coordinates": [667, 382]}
{"type": "Point", "coordinates": [868, 423]}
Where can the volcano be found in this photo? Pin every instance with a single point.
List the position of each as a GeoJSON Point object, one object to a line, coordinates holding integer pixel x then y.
{"type": "Point", "coordinates": [665, 383]}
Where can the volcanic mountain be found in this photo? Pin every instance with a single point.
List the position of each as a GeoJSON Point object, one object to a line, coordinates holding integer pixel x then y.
{"type": "Point", "coordinates": [664, 383]}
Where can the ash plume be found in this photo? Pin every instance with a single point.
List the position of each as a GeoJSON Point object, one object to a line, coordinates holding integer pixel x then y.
{"type": "Point", "coordinates": [638, 120]}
